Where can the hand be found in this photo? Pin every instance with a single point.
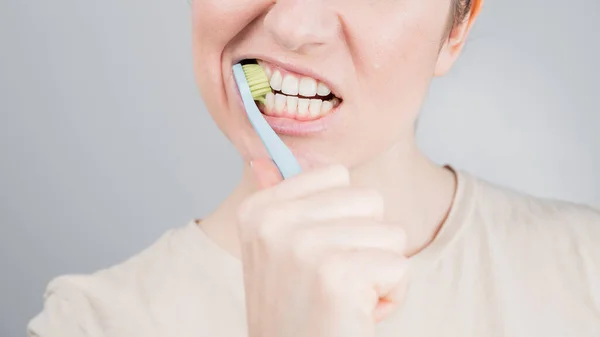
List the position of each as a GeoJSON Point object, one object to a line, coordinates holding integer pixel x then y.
{"type": "Point", "coordinates": [318, 259]}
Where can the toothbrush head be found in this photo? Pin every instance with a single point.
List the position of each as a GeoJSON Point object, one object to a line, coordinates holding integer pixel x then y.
{"type": "Point", "coordinates": [257, 81]}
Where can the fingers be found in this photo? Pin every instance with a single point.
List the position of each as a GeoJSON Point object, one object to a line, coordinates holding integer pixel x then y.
{"type": "Point", "coordinates": [276, 218]}
{"type": "Point", "coordinates": [322, 246]}
{"type": "Point", "coordinates": [343, 234]}
{"type": "Point", "coordinates": [307, 183]}
{"type": "Point", "coordinates": [336, 204]}
{"type": "Point", "coordinates": [369, 282]}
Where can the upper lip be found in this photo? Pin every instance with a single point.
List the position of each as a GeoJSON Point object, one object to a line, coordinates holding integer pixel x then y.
{"type": "Point", "coordinates": [295, 69]}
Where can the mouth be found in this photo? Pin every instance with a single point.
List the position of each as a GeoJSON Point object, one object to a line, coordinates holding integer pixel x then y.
{"type": "Point", "coordinates": [298, 103]}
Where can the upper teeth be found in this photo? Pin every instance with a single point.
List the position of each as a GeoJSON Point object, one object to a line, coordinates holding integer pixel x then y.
{"type": "Point", "coordinates": [290, 85]}
{"type": "Point", "coordinates": [293, 85]}
{"type": "Point", "coordinates": [323, 90]}
{"type": "Point", "coordinates": [276, 81]}
{"type": "Point", "coordinates": [299, 97]}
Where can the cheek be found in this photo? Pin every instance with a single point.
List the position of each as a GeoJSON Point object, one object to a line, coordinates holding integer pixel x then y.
{"type": "Point", "coordinates": [405, 50]}
{"type": "Point", "coordinates": [218, 22]}
{"type": "Point", "coordinates": [398, 53]}
{"type": "Point", "coordinates": [216, 25]}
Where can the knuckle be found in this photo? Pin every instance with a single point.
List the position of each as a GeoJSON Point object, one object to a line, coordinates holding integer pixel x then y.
{"type": "Point", "coordinates": [373, 196]}
{"type": "Point", "coordinates": [302, 243]}
{"type": "Point", "coordinates": [337, 174]}
{"type": "Point", "coordinates": [268, 222]}
{"type": "Point", "coordinates": [365, 195]}
{"type": "Point", "coordinates": [272, 214]}
{"type": "Point", "coordinates": [398, 236]}
{"type": "Point", "coordinates": [265, 234]}
{"type": "Point", "coordinates": [254, 203]}
{"type": "Point", "coordinates": [398, 265]}
{"type": "Point", "coordinates": [368, 200]}
{"type": "Point", "coordinates": [250, 206]}
{"type": "Point", "coordinates": [245, 210]}
{"type": "Point", "coordinates": [331, 273]}
{"type": "Point", "coordinates": [340, 171]}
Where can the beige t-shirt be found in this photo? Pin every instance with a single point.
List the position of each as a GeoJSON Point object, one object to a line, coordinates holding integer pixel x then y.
{"type": "Point", "coordinates": [503, 264]}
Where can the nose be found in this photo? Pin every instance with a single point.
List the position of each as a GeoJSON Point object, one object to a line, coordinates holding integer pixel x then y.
{"type": "Point", "coordinates": [302, 25]}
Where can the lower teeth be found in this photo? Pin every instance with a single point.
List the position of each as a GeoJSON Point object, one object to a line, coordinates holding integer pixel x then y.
{"type": "Point", "coordinates": [298, 107]}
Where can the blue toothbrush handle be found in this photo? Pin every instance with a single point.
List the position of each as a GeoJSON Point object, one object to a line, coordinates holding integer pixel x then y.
{"type": "Point", "coordinates": [281, 155]}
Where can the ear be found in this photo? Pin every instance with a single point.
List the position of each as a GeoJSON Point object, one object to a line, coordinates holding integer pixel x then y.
{"type": "Point", "coordinates": [456, 40]}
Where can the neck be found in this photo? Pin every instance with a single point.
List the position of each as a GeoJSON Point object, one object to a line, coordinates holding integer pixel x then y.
{"type": "Point", "coordinates": [417, 193]}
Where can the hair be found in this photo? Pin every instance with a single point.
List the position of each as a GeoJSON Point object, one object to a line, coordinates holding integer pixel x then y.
{"type": "Point", "coordinates": [460, 11]}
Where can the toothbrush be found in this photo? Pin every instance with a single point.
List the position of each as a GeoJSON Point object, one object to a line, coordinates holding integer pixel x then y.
{"type": "Point", "coordinates": [253, 85]}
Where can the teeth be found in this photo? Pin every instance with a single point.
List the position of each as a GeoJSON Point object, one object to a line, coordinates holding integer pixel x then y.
{"type": "Point", "coordinates": [290, 85]}
{"type": "Point", "coordinates": [303, 104]}
{"type": "Point", "coordinates": [323, 90]}
{"type": "Point", "coordinates": [308, 87]}
{"type": "Point", "coordinates": [315, 107]}
{"type": "Point", "coordinates": [292, 104]}
{"type": "Point", "coordinates": [276, 80]}
{"type": "Point", "coordinates": [326, 107]}
{"type": "Point", "coordinates": [280, 101]}
{"type": "Point", "coordinates": [270, 102]}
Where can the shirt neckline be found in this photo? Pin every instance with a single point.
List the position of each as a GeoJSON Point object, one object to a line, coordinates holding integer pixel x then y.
{"type": "Point", "coordinates": [457, 220]}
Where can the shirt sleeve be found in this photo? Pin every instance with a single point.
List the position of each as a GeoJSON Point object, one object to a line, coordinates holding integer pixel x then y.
{"type": "Point", "coordinates": [67, 312]}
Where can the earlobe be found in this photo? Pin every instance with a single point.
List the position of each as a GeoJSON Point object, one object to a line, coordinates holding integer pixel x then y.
{"type": "Point", "coordinates": [455, 41]}
{"type": "Point", "coordinates": [444, 61]}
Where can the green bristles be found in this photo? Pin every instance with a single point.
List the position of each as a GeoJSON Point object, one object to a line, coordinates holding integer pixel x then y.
{"type": "Point", "coordinates": [258, 81]}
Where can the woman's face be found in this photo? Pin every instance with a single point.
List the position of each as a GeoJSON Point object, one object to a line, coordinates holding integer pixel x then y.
{"type": "Point", "coordinates": [377, 58]}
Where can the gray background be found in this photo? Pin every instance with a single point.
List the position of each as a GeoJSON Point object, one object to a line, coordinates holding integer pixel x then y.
{"type": "Point", "coordinates": [105, 143]}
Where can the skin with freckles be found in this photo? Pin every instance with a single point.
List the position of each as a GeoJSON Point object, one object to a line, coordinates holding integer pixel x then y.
{"type": "Point", "coordinates": [325, 253]}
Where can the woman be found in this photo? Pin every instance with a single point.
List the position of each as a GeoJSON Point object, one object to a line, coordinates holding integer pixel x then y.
{"type": "Point", "coordinates": [372, 239]}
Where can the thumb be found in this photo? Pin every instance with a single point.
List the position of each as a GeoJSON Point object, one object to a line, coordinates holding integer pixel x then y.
{"type": "Point", "coordinates": [265, 173]}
